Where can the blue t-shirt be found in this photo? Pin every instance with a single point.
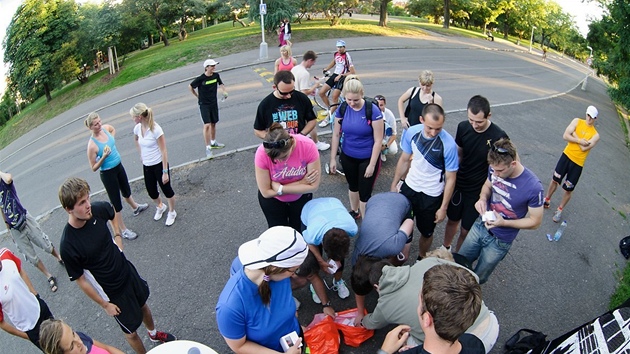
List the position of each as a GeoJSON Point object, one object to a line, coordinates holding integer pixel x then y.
{"type": "Point", "coordinates": [431, 159]}
{"type": "Point", "coordinates": [241, 313]}
{"type": "Point", "coordinates": [380, 234]}
{"type": "Point", "coordinates": [322, 214]}
{"type": "Point", "coordinates": [358, 135]}
{"type": "Point", "coordinates": [512, 197]}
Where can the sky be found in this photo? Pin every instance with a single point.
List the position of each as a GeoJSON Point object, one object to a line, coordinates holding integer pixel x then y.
{"type": "Point", "coordinates": [582, 12]}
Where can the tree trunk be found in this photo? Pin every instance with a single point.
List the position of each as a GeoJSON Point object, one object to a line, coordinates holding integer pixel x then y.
{"type": "Point", "coordinates": [382, 21]}
{"type": "Point", "coordinates": [47, 91]}
{"type": "Point", "coordinates": [447, 14]}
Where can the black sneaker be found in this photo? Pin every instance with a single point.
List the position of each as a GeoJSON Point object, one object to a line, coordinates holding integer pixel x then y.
{"type": "Point", "coordinates": [355, 214]}
{"type": "Point", "coordinates": [162, 337]}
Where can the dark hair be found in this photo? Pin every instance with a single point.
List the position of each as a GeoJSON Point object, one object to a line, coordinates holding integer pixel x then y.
{"type": "Point", "coordinates": [277, 141]}
{"type": "Point", "coordinates": [434, 110]}
{"type": "Point", "coordinates": [283, 76]}
{"type": "Point", "coordinates": [376, 271]}
{"type": "Point", "coordinates": [336, 243]}
{"type": "Point", "coordinates": [478, 104]}
{"type": "Point", "coordinates": [452, 296]}
{"type": "Point", "coordinates": [263, 289]}
{"type": "Point", "coordinates": [359, 280]}
{"type": "Point", "coordinates": [502, 152]}
{"type": "Point", "coordinates": [380, 98]}
{"type": "Point", "coordinates": [309, 55]}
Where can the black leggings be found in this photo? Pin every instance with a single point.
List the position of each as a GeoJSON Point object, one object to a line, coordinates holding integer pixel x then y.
{"type": "Point", "coordinates": [355, 172]}
{"type": "Point", "coordinates": [116, 183]}
{"type": "Point", "coordinates": [153, 178]}
{"type": "Point", "coordinates": [280, 213]}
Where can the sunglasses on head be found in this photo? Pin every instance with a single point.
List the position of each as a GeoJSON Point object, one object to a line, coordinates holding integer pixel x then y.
{"type": "Point", "coordinates": [276, 144]}
{"type": "Point", "coordinates": [500, 150]}
{"type": "Point", "coordinates": [379, 98]}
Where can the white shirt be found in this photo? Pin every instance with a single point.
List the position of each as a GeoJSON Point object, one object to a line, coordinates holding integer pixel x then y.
{"type": "Point", "coordinates": [149, 149]}
{"type": "Point", "coordinates": [390, 120]}
{"type": "Point", "coordinates": [302, 77]}
{"type": "Point", "coordinates": [16, 301]}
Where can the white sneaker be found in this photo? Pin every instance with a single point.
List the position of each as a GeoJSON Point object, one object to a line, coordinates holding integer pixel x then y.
{"type": "Point", "coordinates": [209, 152]}
{"type": "Point", "coordinates": [445, 248]}
{"type": "Point", "coordinates": [383, 157]}
{"type": "Point", "coordinates": [170, 217]}
{"type": "Point", "coordinates": [322, 146]}
{"type": "Point", "coordinates": [159, 212]}
{"type": "Point", "coordinates": [129, 235]}
{"type": "Point", "coordinates": [341, 289]}
{"type": "Point", "coordinates": [141, 207]}
{"type": "Point", "coordinates": [314, 294]}
{"type": "Point", "coordinates": [324, 123]}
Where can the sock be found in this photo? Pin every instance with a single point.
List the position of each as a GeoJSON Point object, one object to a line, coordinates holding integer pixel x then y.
{"type": "Point", "coordinates": [212, 142]}
{"type": "Point", "coordinates": [153, 332]}
{"type": "Point", "coordinates": [560, 208]}
{"type": "Point", "coordinates": [208, 147]}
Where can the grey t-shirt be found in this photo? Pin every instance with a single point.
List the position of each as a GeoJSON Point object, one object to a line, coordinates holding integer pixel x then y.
{"type": "Point", "coordinates": [380, 234]}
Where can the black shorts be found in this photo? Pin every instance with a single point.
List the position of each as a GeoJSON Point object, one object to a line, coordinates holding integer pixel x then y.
{"type": "Point", "coordinates": [131, 301]}
{"type": "Point", "coordinates": [462, 207]}
{"type": "Point", "coordinates": [331, 80]}
{"type": "Point", "coordinates": [570, 170]}
{"type": "Point", "coordinates": [209, 113]}
{"type": "Point", "coordinates": [424, 208]}
{"type": "Point", "coordinates": [44, 314]}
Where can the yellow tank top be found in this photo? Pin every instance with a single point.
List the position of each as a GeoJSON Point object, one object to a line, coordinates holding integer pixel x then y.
{"type": "Point", "coordinates": [573, 151]}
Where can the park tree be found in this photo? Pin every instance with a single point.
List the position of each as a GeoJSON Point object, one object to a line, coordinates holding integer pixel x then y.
{"type": "Point", "coordinates": [187, 10]}
{"type": "Point", "coordinates": [162, 14]}
{"type": "Point", "coordinates": [135, 27]}
{"type": "Point", "coordinates": [100, 27]}
{"type": "Point", "coordinates": [427, 8]}
{"type": "Point", "coordinates": [37, 31]}
{"type": "Point", "coordinates": [277, 10]}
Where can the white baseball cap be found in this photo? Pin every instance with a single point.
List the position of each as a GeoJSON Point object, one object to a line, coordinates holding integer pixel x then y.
{"type": "Point", "coordinates": [210, 62]}
{"type": "Point", "coordinates": [592, 111]}
{"type": "Point", "coordinates": [341, 43]}
{"type": "Point", "coordinates": [279, 246]}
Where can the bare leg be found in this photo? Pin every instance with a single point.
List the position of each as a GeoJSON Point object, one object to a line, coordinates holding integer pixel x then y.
{"type": "Point", "coordinates": [55, 254]}
{"type": "Point", "coordinates": [171, 203]}
{"type": "Point", "coordinates": [120, 223]}
{"type": "Point", "coordinates": [213, 131]}
{"type": "Point", "coordinates": [314, 135]}
{"type": "Point", "coordinates": [132, 203]}
{"type": "Point", "coordinates": [158, 202]}
{"type": "Point", "coordinates": [354, 200]}
{"type": "Point", "coordinates": [319, 287]}
{"type": "Point", "coordinates": [42, 268]}
{"type": "Point", "coordinates": [322, 94]}
{"type": "Point", "coordinates": [206, 133]}
{"type": "Point", "coordinates": [147, 318]}
{"type": "Point", "coordinates": [565, 199]}
{"type": "Point", "coordinates": [335, 100]}
{"type": "Point", "coordinates": [135, 342]}
{"type": "Point", "coordinates": [460, 241]}
{"type": "Point", "coordinates": [425, 244]}
{"type": "Point", "coordinates": [552, 189]}
{"type": "Point", "coordinates": [449, 232]}
{"type": "Point", "coordinates": [362, 208]}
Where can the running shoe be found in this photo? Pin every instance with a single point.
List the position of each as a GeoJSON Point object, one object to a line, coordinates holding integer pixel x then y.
{"type": "Point", "coordinates": [557, 215]}
{"type": "Point", "coordinates": [324, 123]}
{"type": "Point", "coordinates": [355, 214]}
{"type": "Point", "coordinates": [445, 248]}
{"type": "Point", "coordinates": [170, 218]}
{"type": "Point", "coordinates": [129, 235]}
{"type": "Point", "coordinates": [140, 209]}
{"type": "Point", "coordinates": [217, 145]}
{"type": "Point", "coordinates": [322, 146]}
{"type": "Point", "coordinates": [159, 212]}
{"type": "Point", "coordinates": [314, 295]}
{"type": "Point", "coordinates": [162, 337]}
{"type": "Point", "coordinates": [383, 157]}
{"type": "Point", "coordinates": [209, 152]}
{"type": "Point", "coordinates": [341, 289]}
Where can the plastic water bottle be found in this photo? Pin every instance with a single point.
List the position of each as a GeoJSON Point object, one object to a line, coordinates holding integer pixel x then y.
{"type": "Point", "coordinates": [558, 234]}
{"type": "Point", "coordinates": [194, 350]}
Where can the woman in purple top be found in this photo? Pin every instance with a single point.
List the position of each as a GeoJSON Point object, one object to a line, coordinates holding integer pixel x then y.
{"type": "Point", "coordinates": [361, 146]}
{"type": "Point", "coordinates": [287, 174]}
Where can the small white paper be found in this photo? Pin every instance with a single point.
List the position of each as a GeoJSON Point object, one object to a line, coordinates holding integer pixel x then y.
{"type": "Point", "coordinates": [289, 340]}
{"type": "Point", "coordinates": [488, 216]}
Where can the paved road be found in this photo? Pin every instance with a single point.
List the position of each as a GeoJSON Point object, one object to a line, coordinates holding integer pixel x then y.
{"type": "Point", "coordinates": [551, 287]}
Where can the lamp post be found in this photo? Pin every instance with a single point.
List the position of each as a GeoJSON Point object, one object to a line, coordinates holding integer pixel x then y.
{"type": "Point", "coordinates": [531, 40]}
{"type": "Point", "coordinates": [263, 44]}
{"type": "Point", "coordinates": [591, 49]}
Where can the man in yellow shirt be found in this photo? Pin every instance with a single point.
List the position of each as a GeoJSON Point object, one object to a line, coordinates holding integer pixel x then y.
{"type": "Point", "coordinates": [582, 137]}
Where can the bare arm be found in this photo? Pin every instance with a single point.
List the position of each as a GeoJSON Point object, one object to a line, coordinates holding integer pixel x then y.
{"type": "Point", "coordinates": [308, 184]}
{"type": "Point", "coordinates": [7, 327]}
{"type": "Point", "coordinates": [449, 187]}
{"type": "Point", "coordinates": [88, 289]}
{"type": "Point", "coordinates": [223, 89]}
{"type": "Point", "coordinates": [263, 181]}
{"type": "Point", "coordinates": [401, 169]}
{"type": "Point", "coordinates": [486, 191]}
{"type": "Point", "coordinates": [531, 221]}
{"type": "Point", "coordinates": [437, 99]}
{"type": "Point", "coordinates": [401, 108]}
{"type": "Point", "coordinates": [260, 133]}
{"type": "Point", "coordinates": [110, 129]}
{"type": "Point", "coordinates": [27, 280]}
{"type": "Point", "coordinates": [161, 141]}
{"type": "Point", "coordinates": [334, 145]}
{"type": "Point", "coordinates": [276, 66]}
{"type": "Point", "coordinates": [244, 346]}
{"type": "Point", "coordinates": [92, 152]}
{"type": "Point", "coordinates": [332, 63]}
{"type": "Point", "coordinates": [591, 143]}
{"type": "Point", "coordinates": [6, 177]}
{"type": "Point", "coordinates": [378, 127]}
{"type": "Point", "coordinates": [192, 90]}
{"type": "Point", "coordinates": [310, 125]}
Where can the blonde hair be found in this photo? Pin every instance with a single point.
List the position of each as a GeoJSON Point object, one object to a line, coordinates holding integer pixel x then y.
{"type": "Point", "coordinates": [71, 190]}
{"type": "Point", "coordinates": [287, 48]}
{"type": "Point", "coordinates": [50, 333]}
{"type": "Point", "coordinates": [142, 110]}
{"type": "Point", "coordinates": [426, 77]}
{"type": "Point", "coordinates": [90, 119]}
{"type": "Point", "coordinates": [441, 253]}
{"type": "Point", "coordinates": [352, 84]}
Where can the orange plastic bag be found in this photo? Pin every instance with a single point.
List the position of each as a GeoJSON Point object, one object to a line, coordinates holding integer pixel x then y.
{"type": "Point", "coordinates": [352, 336]}
{"type": "Point", "coordinates": [322, 336]}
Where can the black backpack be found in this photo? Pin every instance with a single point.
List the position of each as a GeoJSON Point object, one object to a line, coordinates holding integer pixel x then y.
{"type": "Point", "coordinates": [526, 340]}
{"type": "Point", "coordinates": [368, 109]}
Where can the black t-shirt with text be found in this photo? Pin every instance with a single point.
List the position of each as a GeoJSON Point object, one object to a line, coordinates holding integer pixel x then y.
{"type": "Point", "coordinates": [207, 88]}
{"type": "Point", "coordinates": [92, 248]}
{"type": "Point", "coordinates": [292, 113]}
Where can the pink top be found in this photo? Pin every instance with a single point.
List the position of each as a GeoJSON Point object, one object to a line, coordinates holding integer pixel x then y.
{"type": "Point", "coordinates": [282, 66]}
{"type": "Point", "coordinates": [97, 350]}
{"type": "Point", "coordinates": [291, 170]}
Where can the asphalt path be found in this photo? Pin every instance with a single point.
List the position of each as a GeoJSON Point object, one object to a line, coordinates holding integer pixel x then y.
{"type": "Point", "coordinates": [551, 287]}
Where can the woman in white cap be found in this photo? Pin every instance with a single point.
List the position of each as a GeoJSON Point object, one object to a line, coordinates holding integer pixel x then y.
{"type": "Point", "coordinates": [287, 173]}
{"type": "Point", "coordinates": [256, 307]}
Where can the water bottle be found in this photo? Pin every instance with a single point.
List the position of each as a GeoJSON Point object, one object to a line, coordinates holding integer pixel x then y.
{"type": "Point", "coordinates": [558, 234]}
{"type": "Point", "coordinates": [194, 350]}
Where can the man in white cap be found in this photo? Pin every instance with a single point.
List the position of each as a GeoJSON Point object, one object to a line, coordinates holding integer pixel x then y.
{"type": "Point", "coordinates": [256, 307]}
{"type": "Point", "coordinates": [581, 136]}
{"type": "Point", "coordinates": [206, 85]}
{"type": "Point", "coordinates": [342, 62]}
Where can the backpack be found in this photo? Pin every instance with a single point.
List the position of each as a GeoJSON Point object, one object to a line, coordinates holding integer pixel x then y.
{"type": "Point", "coordinates": [368, 109]}
{"type": "Point", "coordinates": [533, 342]}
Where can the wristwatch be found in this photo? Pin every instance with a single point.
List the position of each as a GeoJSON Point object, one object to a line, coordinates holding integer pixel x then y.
{"type": "Point", "coordinates": [279, 191]}
{"type": "Point", "coordinates": [326, 304]}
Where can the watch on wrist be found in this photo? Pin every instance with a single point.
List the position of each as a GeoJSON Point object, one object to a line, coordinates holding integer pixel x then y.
{"type": "Point", "coordinates": [326, 304]}
{"type": "Point", "coordinates": [279, 191]}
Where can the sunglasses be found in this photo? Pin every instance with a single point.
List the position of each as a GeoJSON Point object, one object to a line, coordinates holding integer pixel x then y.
{"type": "Point", "coordinates": [275, 258]}
{"type": "Point", "coordinates": [276, 144]}
{"type": "Point", "coordinates": [379, 98]}
{"type": "Point", "coordinates": [500, 151]}
{"type": "Point", "coordinates": [285, 93]}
